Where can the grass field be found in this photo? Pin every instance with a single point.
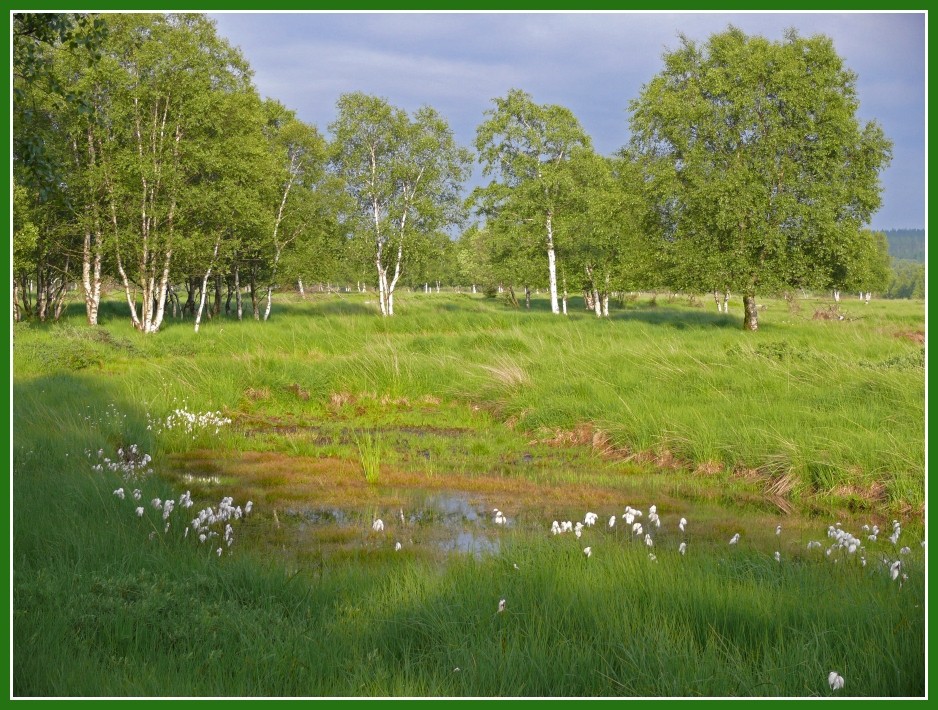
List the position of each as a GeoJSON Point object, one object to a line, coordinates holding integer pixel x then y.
{"type": "Point", "coordinates": [807, 424]}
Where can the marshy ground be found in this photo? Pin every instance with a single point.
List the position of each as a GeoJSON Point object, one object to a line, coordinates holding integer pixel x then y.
{"type": "Point", "coordinates": [328, 419]}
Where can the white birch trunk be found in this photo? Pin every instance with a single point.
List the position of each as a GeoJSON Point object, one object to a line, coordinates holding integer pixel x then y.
{"type": "Point", "coordinates": [91, 276]}
{"type": "Point", "coordinates": [726, 301]}
{"type": "Point", "coordinates": [17, 315]}
{"type": "Point", "coordinates": [552, 264]}
{"type": "Point", "coordinates": [208, 273]}
{"type": "Point", "coordinates": [837, 295]}
{"type": "Point", "coordinates": [300, 284]}
{"type": "Point", "coordinates": [397, 269]}
{"type": "Point", "coordinates": [91, 266]}
{"type": "Point", "coordinates": [131, 298]}
{"type": "Point", "coordinates": [237, 285]}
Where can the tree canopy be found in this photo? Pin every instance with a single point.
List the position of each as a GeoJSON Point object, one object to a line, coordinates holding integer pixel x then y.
{"type": "Point", "coordinates": [145, 160]}
{"type": "Point", "coordinates": [760, 173]}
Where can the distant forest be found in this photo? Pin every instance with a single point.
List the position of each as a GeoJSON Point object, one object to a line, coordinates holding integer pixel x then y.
{"type": "Point", "coordinates": [906, 244]}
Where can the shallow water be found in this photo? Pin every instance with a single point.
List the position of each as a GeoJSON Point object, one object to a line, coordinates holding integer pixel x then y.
{"type": "Point", "coordinates": [437, 522]}
{"type": "Point", "coordinates": [434, 521]}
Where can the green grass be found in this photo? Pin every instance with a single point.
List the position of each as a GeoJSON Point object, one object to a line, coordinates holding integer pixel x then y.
{"type": "Point", "coordinates": [827, 414]}
{"type": "Point", "coordinates": [369, 455]}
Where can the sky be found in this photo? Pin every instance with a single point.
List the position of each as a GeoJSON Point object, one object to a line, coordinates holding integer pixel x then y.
{"type": "Point", "coordinates": [594, 63]}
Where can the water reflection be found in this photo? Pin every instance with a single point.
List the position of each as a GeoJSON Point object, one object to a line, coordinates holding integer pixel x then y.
{"type": "Point", "coordinates": [450, 522]}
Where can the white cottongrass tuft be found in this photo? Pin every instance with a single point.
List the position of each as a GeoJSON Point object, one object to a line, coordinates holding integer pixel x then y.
{"type": "Point", "coordinates": [682, 524]}
{"type": "Point", "coordinates": [587, 551]}
{"type": "Point", "coordinates": [397, 546]}
{"type": "Point", "coordinates": [894, 569]}
{"type": "Point", "coordinates": [734, 539]}
{"type": "Point", "coordinates": [590, 519]}
{"type": "Point", "coordinates": [648, 541]}
{"type": "Point", "coordinates": [813, 544]}
{"type": "Point", "coordinates": [682, 548]}
{"type": "Point", "coordinates": [778, 530]}
{"type": "Point", "coordinates": [119, 493]}
{"type": "Point", "coordinates": [612, 524]}
{"type": "Point", "coordinates": [501, 606]}
{"type": "Point", "coordinates": [500, 518]}
{"type": "Point", "coordinates": [378, 525]}
{"type": "Point", "coordinates": [139, 511]}
{"type": "Point", "coordinates": [778, 556]}
{"type": "Point", "coordinates": [835, 680]}
{"type": "Point", "coordinates": [190, 422]}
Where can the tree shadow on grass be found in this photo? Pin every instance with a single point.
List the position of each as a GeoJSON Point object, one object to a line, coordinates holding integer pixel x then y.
{"type": "Point", "coordinates": [678, 319]}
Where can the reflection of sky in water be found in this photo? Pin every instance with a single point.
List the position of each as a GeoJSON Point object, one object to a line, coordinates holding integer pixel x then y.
{"type": "Point", "coordinates": [451, 506]}
{"type": "Point", "coordinates": [327, 515]}
{"type": "Point", "coordinates": [450, 522]}
{"type": "Point", "coordinates": [474, 543]}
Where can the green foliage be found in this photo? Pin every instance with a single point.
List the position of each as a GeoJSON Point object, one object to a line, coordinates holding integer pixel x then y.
{"type": "Point", "coordinates": [403, 175]}
{"type": "Point", "coordinates": [907, 280]}
{"type": "Point", "coordinates": [758, 169]}
{"type": "Point", "coordinates": [530, 148]}
{"type": "Point", "coordinates": [369, 456]}
{"type": "Point", "coordinates": [38, 92]}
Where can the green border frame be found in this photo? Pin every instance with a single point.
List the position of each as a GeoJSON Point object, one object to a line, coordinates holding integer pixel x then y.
{"type": "Point", "coordinates": [434, 6]}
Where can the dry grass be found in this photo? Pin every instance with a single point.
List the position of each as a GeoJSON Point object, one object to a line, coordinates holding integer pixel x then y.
{"type": "Point", "coordinates": [258, 394]}
{"type": "Point", "coordinates": [916, 336]}
{"type": "Point", "coordinates": [508, 373]}
{"type": "Point", "coordinates": [300, 392]}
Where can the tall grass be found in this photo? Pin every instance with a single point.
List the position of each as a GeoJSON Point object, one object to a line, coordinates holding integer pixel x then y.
{"type": "Point", "coordinates": [822, 410]}
{"type": "Point", "coordinates": [369, 456]}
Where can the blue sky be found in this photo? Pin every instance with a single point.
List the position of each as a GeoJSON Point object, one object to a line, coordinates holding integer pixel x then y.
{"type": "Point", "coordinates": [593, 63]}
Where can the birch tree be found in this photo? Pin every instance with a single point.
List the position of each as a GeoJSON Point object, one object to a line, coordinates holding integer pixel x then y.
{"type": "Point", "coordinates": [403, 174]}
{"type": "Point", "coordinates": [760, 169]}
{"type": "Point", "coordinates": [174, 71]}
{"type": "Point", "coordinates": [46, 106]}
{"type": "Point", "coordinates": [527, 146]}
{"type": "Point", "coordinates": [228, 191]}
{"type": "Point", "coordinates": [299, 154]}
